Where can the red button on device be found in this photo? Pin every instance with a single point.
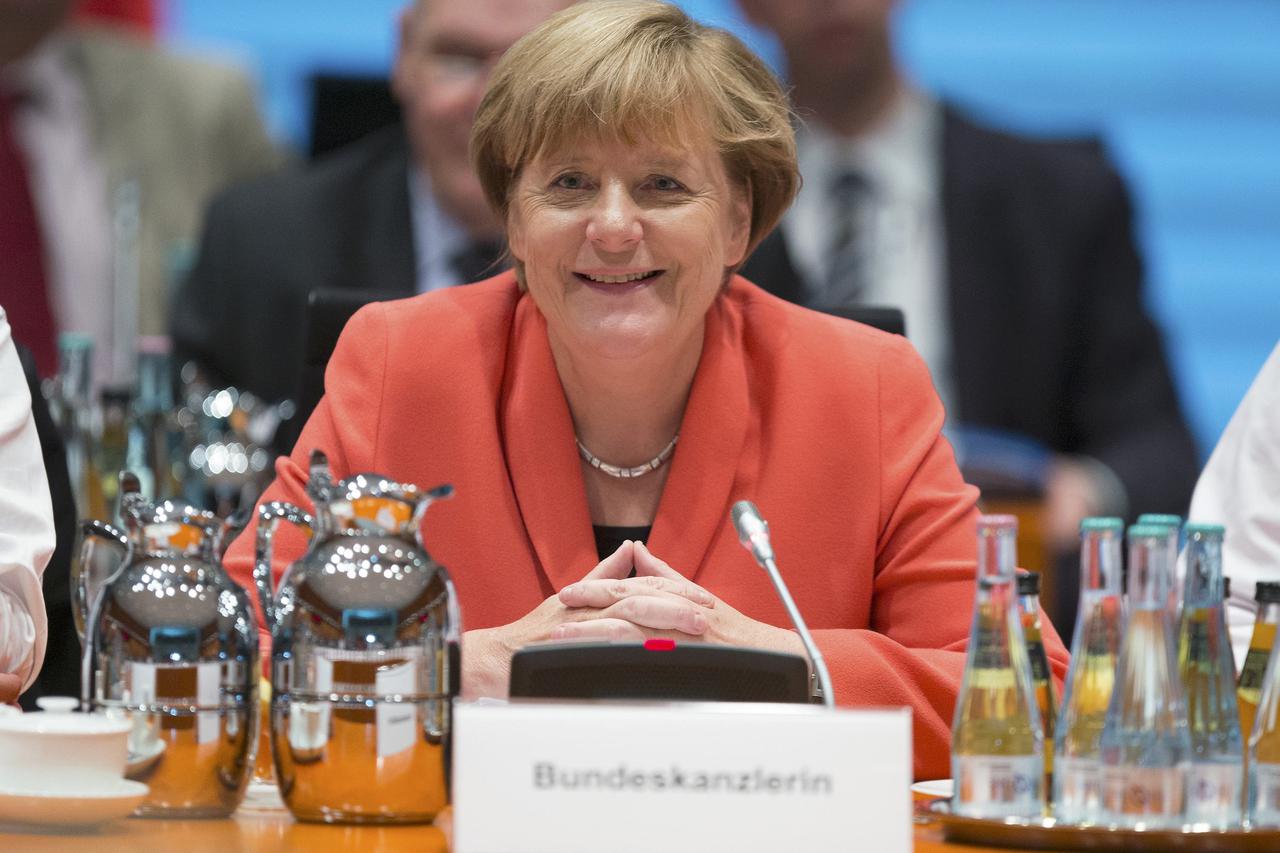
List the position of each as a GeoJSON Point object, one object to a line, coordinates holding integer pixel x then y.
{"type": "Point", "coordinates": [658, 644]}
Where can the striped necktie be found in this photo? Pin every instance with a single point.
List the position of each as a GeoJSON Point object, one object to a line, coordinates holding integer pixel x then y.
{"type": "Point", "coordinates": [848, 253]}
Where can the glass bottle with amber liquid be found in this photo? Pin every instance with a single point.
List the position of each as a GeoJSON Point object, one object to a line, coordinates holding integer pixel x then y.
{"type": "Point", "coordinates": [1095, 649]}
{"type": "Point", "coordinates": [1216, 772]}
{"type": "Point", "coordinates": [1041, 676]}
{"type": "Point", "coordinates": [1249, 687]}
{"type": "Point", "coordinates": [73, 413]}
{"type": "Point", "coordinates": [112, 446]}
{"type": "Point", "coordinates": [1263, 803]}
{"type": "Point", "coordinates": [997, 742]}
{"type": "Point", "coordinates": [1145, 745]}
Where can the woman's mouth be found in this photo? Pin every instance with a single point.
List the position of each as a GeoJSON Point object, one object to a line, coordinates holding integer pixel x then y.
{"type": "Point", "coordinates": [618, 283]}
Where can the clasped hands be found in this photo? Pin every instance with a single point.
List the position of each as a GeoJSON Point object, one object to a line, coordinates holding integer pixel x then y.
{"type": "Point", "coordinates": [608, 605]}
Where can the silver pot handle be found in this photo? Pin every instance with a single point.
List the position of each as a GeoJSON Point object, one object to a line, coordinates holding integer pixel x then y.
{"type": "Point", "coordinates": [269, 517]}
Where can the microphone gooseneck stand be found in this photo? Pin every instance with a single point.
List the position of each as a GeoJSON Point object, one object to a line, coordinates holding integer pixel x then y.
{"type": "Point", "coordinates": [753, 533]}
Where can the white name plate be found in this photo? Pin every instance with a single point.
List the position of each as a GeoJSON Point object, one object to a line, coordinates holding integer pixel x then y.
{"type": "Point", "coordinates": [564, 777]}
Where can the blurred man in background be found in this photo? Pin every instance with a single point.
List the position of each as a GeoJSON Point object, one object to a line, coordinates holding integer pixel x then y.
{"type": "Point", "coordinates": [109, 149]}
{"type": "Point", "coordinates": [395, 213]}
{"type": "Point", "coordinates": [1013, 260]}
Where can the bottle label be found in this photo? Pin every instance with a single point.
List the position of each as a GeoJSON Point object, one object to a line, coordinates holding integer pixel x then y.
{"type": "Point", "coordinates": [1213, 793]}
{"type": "Point", "coordinates": [1264, 807]}
{"type": "Point", "coordinates": [997, 786]}
{"type": "Point", "coordinates": [990, 649]}
{"type": "Point", "coordinates": [1039, 662]}
{"type": "Point", "coordinates": [1255, 666]}
{"type": "Point", "coordinates": [1077, 790]}
{"type": "Point", "coordinates": [1198, 640]}
{"type": "Point", "coordinates": [1135, 792]}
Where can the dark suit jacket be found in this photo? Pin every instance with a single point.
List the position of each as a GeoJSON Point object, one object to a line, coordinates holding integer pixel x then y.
{"type": "Point", "coordinates": [60, 675]}
{"type": "Point", "coordinates": [342, 222]}
{"type": "Point", "coordinates": [1049, 335]}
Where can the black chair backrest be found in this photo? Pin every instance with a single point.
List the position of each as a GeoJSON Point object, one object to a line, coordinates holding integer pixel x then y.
{"type": "Point", "coordinates": [328, 311]}
{"type": "Point", "coordinates": [882, 317]}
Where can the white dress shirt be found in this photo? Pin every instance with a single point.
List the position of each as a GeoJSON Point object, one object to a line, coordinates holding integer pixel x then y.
{"type": "Point", "coordinates": [436, 236]}
{"type": "Point", "coordinates": [901, 159]}
{"type": "Point", "coordinates": [1240, 489]}
{"type": "Point", "coordinates": [26, 522]}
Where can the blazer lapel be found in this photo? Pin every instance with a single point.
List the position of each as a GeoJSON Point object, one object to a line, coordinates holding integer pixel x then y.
{"type": "Point", "coordinates": [695, 500]}
{"type": "Point", "coordinates": [542, 459]}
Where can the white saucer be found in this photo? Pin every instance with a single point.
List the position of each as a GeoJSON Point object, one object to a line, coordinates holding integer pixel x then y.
{"type": "Point", "coordinates": [72, 806]}
{"type": "Point", "coordinates": [935, 788]}
{"type": "Point", "coordinates": [145, 756]}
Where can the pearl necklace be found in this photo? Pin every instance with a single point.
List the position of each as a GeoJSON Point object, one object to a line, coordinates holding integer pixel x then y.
{"type": "Point", "coordinates": [627, 473]}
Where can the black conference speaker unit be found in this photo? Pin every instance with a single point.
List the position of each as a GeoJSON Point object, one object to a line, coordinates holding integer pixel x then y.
{"type": "Point", "coordinates": [658, 670]}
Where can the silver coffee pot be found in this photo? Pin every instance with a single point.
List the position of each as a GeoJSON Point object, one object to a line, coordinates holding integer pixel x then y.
{"type": "Point", "coordinates": [171, 644]}
{"type": "Point", "coordinates": [365, 656]}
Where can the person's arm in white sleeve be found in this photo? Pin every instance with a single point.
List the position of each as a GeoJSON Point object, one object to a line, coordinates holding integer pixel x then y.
{"type": "Point", "coordinates": [26, 522]}
{"type": "Point", "coordinates": [1240, 488]}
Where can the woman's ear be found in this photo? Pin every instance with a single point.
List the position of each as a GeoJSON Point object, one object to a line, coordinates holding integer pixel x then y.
{"type": "Point", "coordinates": [515, 234]}
{"type": "Point", "coordinates": [739, 225]}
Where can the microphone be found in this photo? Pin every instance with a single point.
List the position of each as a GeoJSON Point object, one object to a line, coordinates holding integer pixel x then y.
{"type": "Point", "coordinates": [753, 533]}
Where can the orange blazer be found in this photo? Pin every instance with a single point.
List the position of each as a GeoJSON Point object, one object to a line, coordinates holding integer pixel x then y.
{"type": "Point", "coordinates": [831, 427]}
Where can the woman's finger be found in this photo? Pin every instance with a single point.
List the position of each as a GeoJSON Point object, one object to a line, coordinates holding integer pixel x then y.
{"type": "Point", "coordinates": [616, 565]}
{"type": "Point", "coordinates": [647, 564]}
{"type": "Point", "coordinates": [661, 613]}
{"type": "Point", "coordinates": [601, 630]}
{"type": "Point", "coordinates": [603, 593]}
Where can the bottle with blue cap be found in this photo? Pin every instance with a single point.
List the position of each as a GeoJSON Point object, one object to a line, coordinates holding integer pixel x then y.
{"type": "Point", "coordinates": [1216, 774]}
{"type": "Point", "coordinates": [1145, 745]}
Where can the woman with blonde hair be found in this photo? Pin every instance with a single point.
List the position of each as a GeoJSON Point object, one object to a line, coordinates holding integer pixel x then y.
{"type": "Point", "coordinates": [600, 407]}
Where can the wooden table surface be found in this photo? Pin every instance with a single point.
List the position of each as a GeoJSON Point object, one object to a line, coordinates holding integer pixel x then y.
{"type": "Point", "coordinates": [270, 828]}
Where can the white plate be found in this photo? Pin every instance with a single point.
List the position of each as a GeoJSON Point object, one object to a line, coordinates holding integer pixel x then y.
{"type": "Point", "coordinates": [85, 806]}
{"type": "Point", "coordinates": [935, 788]}
{"type": "Point", "coordinates": [145, 756]}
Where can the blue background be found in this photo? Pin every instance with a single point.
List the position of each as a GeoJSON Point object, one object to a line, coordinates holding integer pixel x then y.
{"type": "Point", "coordinates": [1185, 92]}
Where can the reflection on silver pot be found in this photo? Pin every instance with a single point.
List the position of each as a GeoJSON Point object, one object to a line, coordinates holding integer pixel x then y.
{"type": "Point", "coordinates": [365, 653]}
{"type": "Point", "coordinates": [171, 644]}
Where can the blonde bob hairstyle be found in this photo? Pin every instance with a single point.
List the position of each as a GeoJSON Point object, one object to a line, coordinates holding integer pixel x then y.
{"type": "Point", "coordinates": [632, 71]}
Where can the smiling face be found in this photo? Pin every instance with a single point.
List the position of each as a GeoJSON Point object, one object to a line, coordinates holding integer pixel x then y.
{"type": "Point", "coordinates": [625, 246]}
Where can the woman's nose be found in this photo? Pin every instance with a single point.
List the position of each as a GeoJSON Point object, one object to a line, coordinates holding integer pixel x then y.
{"type": "Point", "coordinates": [614, 225]}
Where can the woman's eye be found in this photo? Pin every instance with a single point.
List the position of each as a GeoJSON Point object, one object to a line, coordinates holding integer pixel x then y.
{"type": "Point", "coordinates": [665, 184]}
{"type": "Point", "coordinates": [569, 182]}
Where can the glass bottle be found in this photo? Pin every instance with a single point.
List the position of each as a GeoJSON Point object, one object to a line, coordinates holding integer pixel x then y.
{"type": "Point", "coordinates": [1041, 676]}
{"type": "Point", "coordinates": [154, 445]}
{"type": "Point", "coordinates": [997, 743]}
{"type": "Point", "coordinates": [72, 411]}
{"type": "Point", "coordinates": [1145, 745]}
{"type": "Point", "coordinates": [1095, 648]}
{"type": "Point", "coordinates": [112, 447]}
{"type": "Point", "coordinates": [1249, 687]}
{"type": "Point", "coordinates": [1173, 526]}
{"type": "Point", "coordinates": [1264, 751]}
{"type": "Point", "coordinates": [1216, 773]}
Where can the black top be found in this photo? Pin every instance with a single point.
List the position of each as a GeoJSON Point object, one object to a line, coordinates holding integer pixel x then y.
{"type": "Point", "coordinates": [609, 539]}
